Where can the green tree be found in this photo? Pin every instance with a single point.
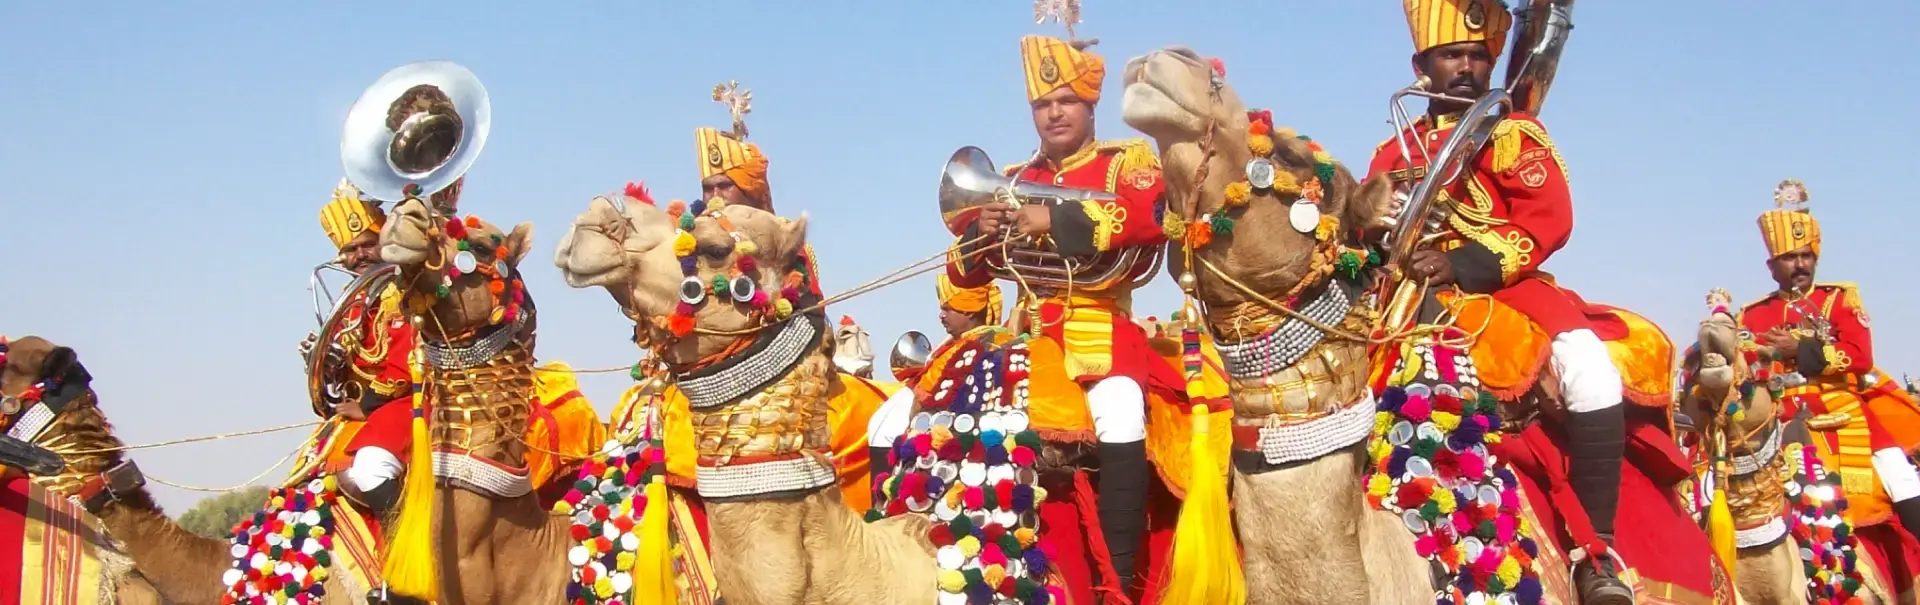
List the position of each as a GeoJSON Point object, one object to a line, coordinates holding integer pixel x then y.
{"type": "Point", "coordinates": [215, 516]}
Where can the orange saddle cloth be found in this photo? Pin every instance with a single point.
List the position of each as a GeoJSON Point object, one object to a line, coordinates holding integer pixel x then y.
{"type": "Point", "coordinates": [1510, 352]}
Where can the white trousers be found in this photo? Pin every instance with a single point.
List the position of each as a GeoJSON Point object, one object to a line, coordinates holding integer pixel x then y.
{"type": "Point", "coordinates": [372, 467]}
{"type": "Point", "coordinates": [1117, 404]}
{"type": "Point", "coordinates": [1588, 380]}
{"type": "Point", "coordinates": [1897, 473]}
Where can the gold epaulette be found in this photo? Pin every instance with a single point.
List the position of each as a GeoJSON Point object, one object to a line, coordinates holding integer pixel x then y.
{"type": "Point", "coordinates": [1134, 153]}
{"type": "Point", "coordinates": [1849, 290]}
{"type": "Point", "coordinates": [1507, 138]}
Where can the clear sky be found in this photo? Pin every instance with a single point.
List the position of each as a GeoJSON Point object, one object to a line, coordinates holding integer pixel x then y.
{"type": "Point", "coordinates": [164, 163]}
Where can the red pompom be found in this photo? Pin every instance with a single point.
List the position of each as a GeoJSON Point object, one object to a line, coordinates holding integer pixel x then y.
{"type": "Point", "coordinates": [1219, 67]}
{"type": "Point", "coordinates": [638, 191]}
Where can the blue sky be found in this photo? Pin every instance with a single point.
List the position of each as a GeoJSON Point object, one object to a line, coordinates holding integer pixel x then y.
{"type": "Point", "coordinates": [164, 163]}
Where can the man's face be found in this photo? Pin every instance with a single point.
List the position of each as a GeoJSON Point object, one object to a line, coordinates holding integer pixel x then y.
{"type": "Point", "coordinates": [957, 323]}
{"type": "Point", "coordinates": [1064, 122]}
{"type": "Point", "coordinates": [1794, 270]}
{"type": "Point", "coordinates": [722, 187]}
{"type": "Point", "coordinates": [362, 252]}
{"type": "Point", "coordinates": [1461, 69]}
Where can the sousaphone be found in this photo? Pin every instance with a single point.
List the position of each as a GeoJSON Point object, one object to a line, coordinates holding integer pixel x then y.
{"type": "Point", "coordinates": [1540, 34]}
{"type": "Point", "coordinates": [414, 133]}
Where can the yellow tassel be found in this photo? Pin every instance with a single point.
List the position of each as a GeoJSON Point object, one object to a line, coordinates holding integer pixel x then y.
{"type": "Point", "coordinates": [410, 566]}
{"type": "Point", "coordinates": [653, 572]}
{"type": "Point", "coordinates": [1720, 529]}
{"type": "Point", "coordinates": [1206, 560]}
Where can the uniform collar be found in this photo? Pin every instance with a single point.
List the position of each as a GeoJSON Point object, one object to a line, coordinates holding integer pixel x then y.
{"type": "Point", "coordinates": [1077, 159]}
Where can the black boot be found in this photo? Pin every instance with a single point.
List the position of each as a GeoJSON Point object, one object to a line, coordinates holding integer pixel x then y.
{"type": "Point", "coordinates": [1908, 511]}
{"type": "Point", "coordinates": [1596, 441]}
{"type": "Point", "coordinates": [1123, 503]}
{"type": "Point", "coordinates": [382, 498]}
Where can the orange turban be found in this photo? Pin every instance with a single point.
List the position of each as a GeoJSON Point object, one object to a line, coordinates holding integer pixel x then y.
{"type": "Point", "coordinates": [1443, 22]}
{"type": "Point", "coordinates": [1791, 226]}
{"type": "Point", "coordinates": [347, 216]}
{"type": "Point", "coordinates": [1052, 63]}
{"type": "Point", "coordinates": [740, 161]}
{"type": "Point", "coordinates": [971, 300]}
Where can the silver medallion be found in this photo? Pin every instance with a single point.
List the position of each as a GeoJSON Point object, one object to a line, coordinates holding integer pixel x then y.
{"type": "Point", "coordinates": [464, 262]}
{"type": "Point", "coordinates": [1260, 173]}
{"type": "Point", "coordinates": [1304, 215]}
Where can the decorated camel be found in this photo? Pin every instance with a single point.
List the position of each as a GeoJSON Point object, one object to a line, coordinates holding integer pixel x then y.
{"type": "Point", "coordinates": [711, 290]}
{"type": "Point", "coordinates": [1779, 499]}
{"type": "Point", "coordinates": [149, 558]}
{"type": "Point", "coordinates": [1312, 409]}
{"type": "Point", "coordinates": [488, 539]}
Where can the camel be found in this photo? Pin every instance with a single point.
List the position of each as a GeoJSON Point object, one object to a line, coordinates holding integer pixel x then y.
{"type": "Point", "coordinates": [1302, 541]}
{"type": "Point", "coordinates": [162, 562]}
{"type": "Point", "coordinates": [853, 352]}
{"type": "Point", "coordinates": [491, 539]}
{"type": "Point", "coordinates": [781, 537]}
{"type": "Point", "coordinates": [1721, 398]}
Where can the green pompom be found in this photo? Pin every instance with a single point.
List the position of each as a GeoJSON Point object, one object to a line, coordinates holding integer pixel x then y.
{"type": "Point", "coordinates": [1222, 224]}
{"type": "Point", "coordinates": [719, 285]}
{"type": "Point", "coordinates": [874, 514]}
{"type": "Point", "coordinates": [961, 525]}
{"type": "Point", "coordinates": [462, 245]}
{"type": "Point", "coordinates": [686, 222]}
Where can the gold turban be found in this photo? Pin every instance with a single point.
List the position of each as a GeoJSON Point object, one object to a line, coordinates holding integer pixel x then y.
{"type": "Point", "coordinates": [1052, 63]}
{"type": "Point", "coordinates": [1442, 22]}
{"type": "Point", "coordinates": [971, 300]}
{"type": "Point", "coordinates": [1791, 226]}
{"type": "Point", "coordinates": [347, 216]}
{"type": "Point", "coordinates": [738, 160]}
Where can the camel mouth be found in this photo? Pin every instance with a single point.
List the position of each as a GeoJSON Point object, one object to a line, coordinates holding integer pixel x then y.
{"type": "Point", "coordinates": [1151, 105]}
{"type": "Point", "coordinates": [590, 259]}
{"type": "Point", "coordinates": [400, 254]}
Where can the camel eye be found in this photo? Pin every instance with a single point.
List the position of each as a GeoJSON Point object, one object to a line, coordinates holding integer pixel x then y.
{"type": "Point", "coordinates": [743, 288]}
{"type": "Point", "coordinates": [693, 291]}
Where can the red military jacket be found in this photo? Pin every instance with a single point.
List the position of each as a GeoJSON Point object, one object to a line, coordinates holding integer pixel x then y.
{"type": "Point", "coordinates": [1851, 349]}
{"type": "Point", "coordinates": [380, 364]}
{"type": "Point", "coordinates": [1127, 169]}
{"type": "Point", "coordinates": [1514, 203]}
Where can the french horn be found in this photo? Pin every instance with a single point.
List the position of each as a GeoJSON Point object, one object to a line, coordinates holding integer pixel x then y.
{"type": "Point", "coordinates": [970, 181]}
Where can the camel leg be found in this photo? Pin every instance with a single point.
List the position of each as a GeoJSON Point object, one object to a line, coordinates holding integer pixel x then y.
{"type": "Point", "coordinates": [1301, 531]}
{"type": "Point", "coordinates": [1395, 571]}
{"type": "Point", "coordinates": [759, 557]}
{"type": "Point", "coordinates": [136, 591]}
{"type": "Point", "coordinates": [464, 526]}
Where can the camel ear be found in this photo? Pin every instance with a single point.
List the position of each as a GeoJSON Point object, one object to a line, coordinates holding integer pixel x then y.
{"type": "Point", "coordinates": [519, 242]}
{"type": "Point", "coordinates": [1371, 203]}
{"type": "Point", "coordinates": [58, 362]}
{"type": "Point", "coordinates": [793, 237]}
{"type": "Point", "coordinates": [74, 380]}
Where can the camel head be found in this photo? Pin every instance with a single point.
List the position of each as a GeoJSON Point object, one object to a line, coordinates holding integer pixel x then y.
{"type": "Point", "coordinates": [666, 282]}
{"type": "Point", "coordinates": [1718, 365]}
{"type": "Point", "coordinates": [853, 350]}
{"type": "Point", "coordinates": [1197, 120]}
{"type": "Point", "coordinates": [33, 370]}
{"type": "Point", "coordinates": [468, 267]}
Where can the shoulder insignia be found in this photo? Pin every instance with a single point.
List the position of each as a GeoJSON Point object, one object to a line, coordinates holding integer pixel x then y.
{"type": "Point", "coordinates": [1134, 153]}
{"type": "Point", "coordinates": [1850, 293]}
{"type": "Point", "coordinates": [1510, 156]}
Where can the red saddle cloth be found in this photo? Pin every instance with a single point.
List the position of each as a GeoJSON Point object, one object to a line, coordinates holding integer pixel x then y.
{"type": "Point", "coordinates": [46, 548]}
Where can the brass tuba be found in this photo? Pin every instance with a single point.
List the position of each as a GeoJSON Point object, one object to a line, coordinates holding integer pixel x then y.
{"type": "Point", "coordinates": [416, 131]}
{"type": "Point", "coordinates": [911, 353]}
{"type": "Point", "coordinates": [970, 181]}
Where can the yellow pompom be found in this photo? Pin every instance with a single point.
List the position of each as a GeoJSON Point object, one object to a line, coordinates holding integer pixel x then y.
{"type": "Point", "coordinates": [1327, 227]}
{"type": "Point", "coordinates": [746, 246]}
{"type": "Point", "coordinates": [969, 546]}
{"type": "Point", "coordinates": [329, 483]}
{"type": "Point", "coordinates": [782, 308]}
{"type": "Point", "coordinates": [1446, 421]}
{"type": "Point", "coordinates": [1237, 193]}
{"type": "Point", "coordinates": [623, 561]}
{"type": "Point", "coordinates": [952, 581]}
{"type": "Point", "coordinates": [1322, 157]}
{"type": "Point", "coordinates": [715, 204]}
{"type": "Point", "coordinates": [1025, 536]}
{"type": "Point", "coordinates": [1509, 570]}
{"type": "Point", "coordinates": [319, 574]}
{"type": "Point", "coordinates": [562, 508]}
{"type": "Point", "coordinates": [1285, 183]}
{"type": "Point", "coordinates": [1039, 494]}
{"type": "Point", "coordinates": [1379, 485]}
{"type": "Point", "coordinates": [1442, 498]}
{"type": "Point", "coordinates": [603, 587]}
{"type": "Point", "coordinates": [279, 502]}
{"type": "Point", "coordinates": [993, 574]}
{"type": "Point", "coordinates": [954, 494]}
{"type": "Point", "coordinates": [683, 244]}
{"type": "Point", "coordinates": [1381, 422]}
{"type": "Point", "coordinates": [316, 531]}
{"type": "Point", "coordinates": [1379, 449]}
{"type": "Point", "coordinates": [286, 531]}
{"type": "Point", "coordinates": [1260, 145]}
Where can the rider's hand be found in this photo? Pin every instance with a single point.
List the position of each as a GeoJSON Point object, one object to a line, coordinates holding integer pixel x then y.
{"type": "Point", "coordinates": [1033, 220]}
{"type": "Point", "coordinates": [1784, 345]}
{"type": "Point", "coordinates": [306, 347]}
{"type": "Point", "coordinates": [993, 216]}
{"type": "Point", "coordinates": [350, 409]}
{"type": "Point", "coordinates": [1432, 265]}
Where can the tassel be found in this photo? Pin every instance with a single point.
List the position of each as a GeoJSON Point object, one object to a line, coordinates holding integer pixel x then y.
{"type": "Point", "coordinates": [1720, 529]}
{"type": "Point", "coordinates": [410, 568]}
{"type": "Point", "coordinates": [653, 571]}
{"type": "Point", "coordinates": [1206, 560]}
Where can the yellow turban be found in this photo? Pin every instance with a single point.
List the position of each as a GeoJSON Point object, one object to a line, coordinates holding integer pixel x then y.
{"type": "Point", "coordinates": [347, 216]}
{"type": "Point", "coordinates": [1052, 63]}
{"type": "Point", "coordinates": [1443, 22]}
{"type": "Point", "coordinates": [971, 300]}
{"type": "Point", "coordinates": [1791, 226]}
{"type": "Point", "coordinates": [738, 160]}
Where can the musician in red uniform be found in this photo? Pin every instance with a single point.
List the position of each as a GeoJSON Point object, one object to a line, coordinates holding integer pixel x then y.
{"type": "Point", "coordinates": [1817, 345]}
{"type": "Point", "coordinates": [1104, 350]}
{"type": "Point", "coordinates": [1509, 213]}
{"type": "Point", "coordinates": [377, 362]}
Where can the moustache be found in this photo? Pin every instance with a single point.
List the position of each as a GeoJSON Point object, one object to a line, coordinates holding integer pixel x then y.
{"type": "Point", "coordinates": [1463, 82]}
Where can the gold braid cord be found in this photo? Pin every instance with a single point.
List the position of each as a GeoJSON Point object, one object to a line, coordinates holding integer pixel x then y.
{"type": "Point", "coordinates": [484, 411]}
{"type": "Point", "coordinates": [783, 419]}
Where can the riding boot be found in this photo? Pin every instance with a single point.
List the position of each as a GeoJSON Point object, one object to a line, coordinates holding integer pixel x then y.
{"type": "Point", "coordinates": [382, 498]}
{"type": "Point", "coordinates": [1596, 442]}
{"type": "Point", "coordinates": [1123, 503]}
